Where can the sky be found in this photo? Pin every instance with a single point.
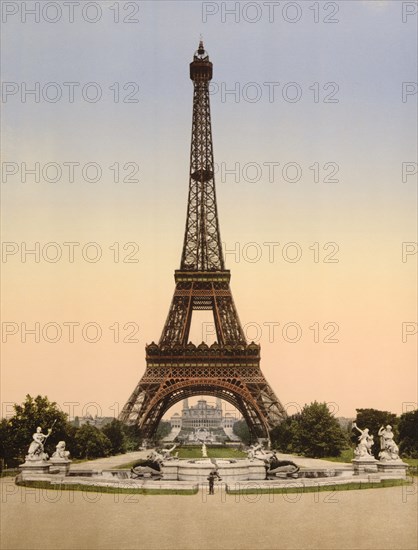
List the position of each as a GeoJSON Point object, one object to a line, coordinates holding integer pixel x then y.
{"type": "Point", "coordinates": [314, 110]}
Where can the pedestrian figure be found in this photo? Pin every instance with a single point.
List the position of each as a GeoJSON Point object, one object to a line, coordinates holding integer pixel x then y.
{"type": "Point", "coordinates": [211, 479]}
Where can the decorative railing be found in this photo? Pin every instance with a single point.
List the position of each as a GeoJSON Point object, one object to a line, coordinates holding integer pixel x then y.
{"type": "Point", "coordinates": [203, 349]}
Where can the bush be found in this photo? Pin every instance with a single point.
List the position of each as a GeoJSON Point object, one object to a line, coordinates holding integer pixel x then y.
{"type": "Point", "coordinates": [408, 434]}
{"type": "Point", "coordinates": [314, 432]}
{"type": "Point", "coordinates": [133, 437]}
{"type": "Point", "coordinates": [114, 432]}
{"type": "Point", "coordinates": [163, 429]}
{"type": "Point", "coordinates": [91, 443]}
{"type": "Point", "coordinates": [240, 429]}
{"type": "Point", "coordinates": [282, 435]}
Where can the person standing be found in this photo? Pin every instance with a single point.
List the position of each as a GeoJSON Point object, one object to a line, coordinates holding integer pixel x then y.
{"type": "Point", "coordinates": [211, 478]}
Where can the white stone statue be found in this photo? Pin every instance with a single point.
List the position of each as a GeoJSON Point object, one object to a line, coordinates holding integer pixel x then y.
{"type": "Point", "coordinates": [388, 448]}
{"type": "Point", "coordinates": [204, 451]}
{"type": "Point", "coordinates": [161, 455]}
{"type": "Point", "coordinates": [36, 448]}
{"type": "Point", "coordinates": [369, 444]}
{"type": "Point", "coordinates": [365, 443]}
{"type": "Point", "coordinates": [60, 451]}
{"type": "Point", "coordinates": [257, 452]}
{"type": "Point", "coordinates": [155, 456]}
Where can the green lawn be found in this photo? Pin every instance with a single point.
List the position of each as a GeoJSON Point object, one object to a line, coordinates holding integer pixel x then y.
{"type": "Point", "coordinates": [12, 472]}
{"type": "Point", "coordinates": [108, 490]}
{"type": "Point", "coordinates": [213, 452]}
{"type": "Point", "coordinates": [194, 452]}
{"type": "Point", "coordinates": [413, 466]}
{"type": "Point", "coordinates": [319, 488]}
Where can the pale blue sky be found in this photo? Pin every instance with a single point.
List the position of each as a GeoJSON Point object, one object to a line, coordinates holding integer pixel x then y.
{"type": "Point", "coordinates": [368, 133]}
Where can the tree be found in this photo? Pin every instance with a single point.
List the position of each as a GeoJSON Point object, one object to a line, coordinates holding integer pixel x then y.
{"type": "Point", "coordinates": [408, 434]}
{"type": "Point", "coordinates": [91, 442]}
{"type": "Point", "coordinates": [33, 412]}
{"type": "Point", "coordinates": [6, 447]}
{"type": "Point", "coordinates": [316, 432]}
{"type": "Point", "coordinates": [163, 429]}
{"type": "Point", "coordinates": [133, 437]}
{"type": "Point", "coordinates": [282, 436]}
{"type": "Point", "coordinates": [240, 428]}
{"type": "Point", "coordinates": [373, 419]}
{"type": "Point", "coordinates": [114, 432]}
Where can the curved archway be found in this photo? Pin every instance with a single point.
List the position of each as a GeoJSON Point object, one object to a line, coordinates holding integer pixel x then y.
{"type": "Point", "coordinates": [233, 393]}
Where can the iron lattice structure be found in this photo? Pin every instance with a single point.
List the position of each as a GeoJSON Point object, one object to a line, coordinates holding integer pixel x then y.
{"type": "Point", "coordinates": [229, 368]}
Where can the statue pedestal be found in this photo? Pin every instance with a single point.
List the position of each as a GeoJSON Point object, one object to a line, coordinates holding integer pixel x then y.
{"type": "Point", "coordinates": [393, 467]}
{"type": "Point", "coordinates": [364, 465]}
{"type": "Point", "coordinates": [34, 467]}
{"type": "Point", "coordinates": [60, 465]}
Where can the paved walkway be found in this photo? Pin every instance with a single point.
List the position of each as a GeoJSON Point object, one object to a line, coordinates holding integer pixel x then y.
{"type": "Point", "coordinates": [367, 519]}
{"type": "Point", "coordinates": [311, 462]}
{"type": "Point", "coordinates": [110, 462]}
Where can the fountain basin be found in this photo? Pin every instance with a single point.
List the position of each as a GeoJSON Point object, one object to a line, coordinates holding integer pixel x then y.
{"type": "Point", "coordinates": [326, 472]}
{"type": "Point", "coordinates": [119, 474]}
{"type": "Point", "coordinates": [198, 470]}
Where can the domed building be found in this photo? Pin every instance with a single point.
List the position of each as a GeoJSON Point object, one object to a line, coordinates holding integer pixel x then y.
{"type": "Point", "coordinates": [203, 415]}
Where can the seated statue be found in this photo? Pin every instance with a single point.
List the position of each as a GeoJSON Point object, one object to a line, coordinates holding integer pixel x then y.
{"type": "Point", "coordinates": [388, 448]}
{"type": "Point", "coordinates": [60, 451]}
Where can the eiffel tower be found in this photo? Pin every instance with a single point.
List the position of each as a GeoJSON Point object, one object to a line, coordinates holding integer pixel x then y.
{"type": "Point", "coordinates": [176, 368]}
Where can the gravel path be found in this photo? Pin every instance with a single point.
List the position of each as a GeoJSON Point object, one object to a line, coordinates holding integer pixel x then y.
{"type": "Point", "coordinates": [311, 462]}
{"type": "Point", "coordinates": [367, 519]}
